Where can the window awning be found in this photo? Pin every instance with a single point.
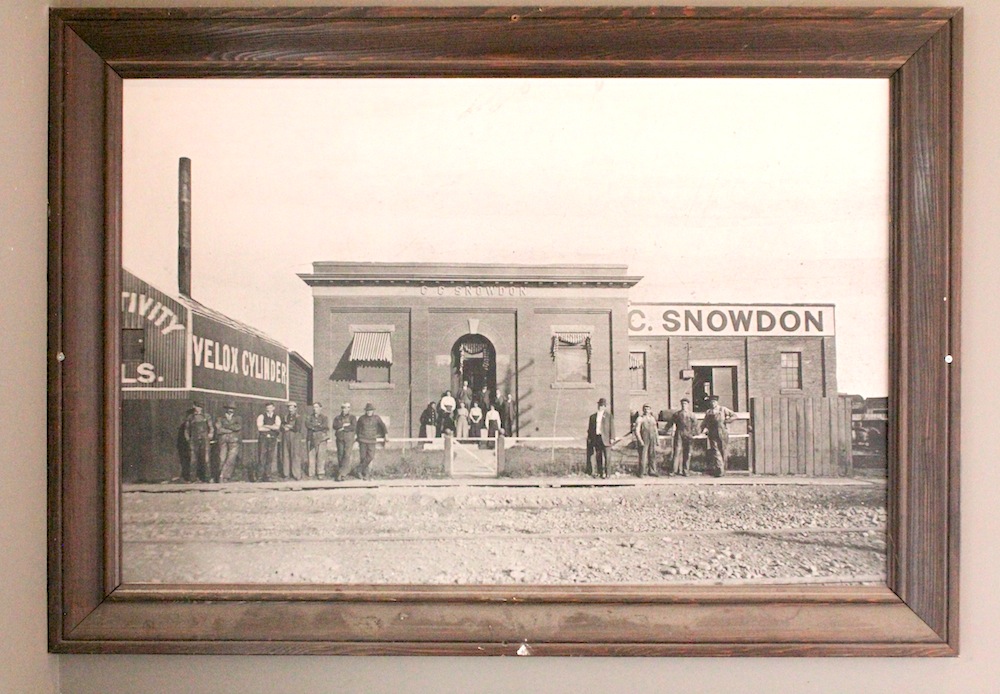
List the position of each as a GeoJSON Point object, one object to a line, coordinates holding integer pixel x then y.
{"type": "Point", "coordinates": [637, 360]}
{"type": "Point", "coordinates": [572, 339]}
{"type": "Point", "coordinates": [371, 346]}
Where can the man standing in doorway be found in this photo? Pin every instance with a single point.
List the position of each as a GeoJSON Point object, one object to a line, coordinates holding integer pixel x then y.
{"type": "Point", "coordinates": [268, 431]}
{"type": "Point", "coordinates": [345, 425]}
{"type": "Point", "coordinates": [317, 434]}
{"type": "Point", "coordinates": [716, 427]}
{"type": "Point", "coordinates": [600, 436]}
{"type": "Point", "coordinates": [685, 427]}
{"type": "Point", "coordinates": [228, 433]}
{"type": "Point", "coordinates": [291, 443]}
{"type": "Point", "coordinates": [647, 439]}
{"type": "Point", "coordinates": [198, 431]}
{"type": "Point", "coordinates": [465, 395]}
{"type": "Point", "coordinates": [370, 429]}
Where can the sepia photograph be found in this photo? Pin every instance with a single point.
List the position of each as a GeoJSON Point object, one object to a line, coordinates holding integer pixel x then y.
{"type": "Point", "coordinates": [505, 331]}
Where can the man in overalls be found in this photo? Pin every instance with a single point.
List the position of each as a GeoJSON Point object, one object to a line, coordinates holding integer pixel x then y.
{"type": "Point", "coordinates": [716, 428]}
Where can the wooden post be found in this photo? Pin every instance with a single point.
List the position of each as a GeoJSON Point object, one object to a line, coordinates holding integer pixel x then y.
{"type": "Point", "coordinates": [448, 456]}
{"type": "Point", "coordinates": [500, 449]}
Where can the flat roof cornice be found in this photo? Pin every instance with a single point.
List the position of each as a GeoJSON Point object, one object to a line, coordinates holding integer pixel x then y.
{"type": "Point", "coordinates": [327, 274]}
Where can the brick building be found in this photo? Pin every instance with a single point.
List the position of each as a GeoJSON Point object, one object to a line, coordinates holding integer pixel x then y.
{"type": "Point", "coordinates": [399, 335]}
{"type": "Point", "coordinates": [557, 337]}
{"type": "Point", "coordinates": [736, 351]}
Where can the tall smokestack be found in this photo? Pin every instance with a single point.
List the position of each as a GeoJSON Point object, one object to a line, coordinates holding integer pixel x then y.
{"type": "Point", "coordinates": [184, 227]}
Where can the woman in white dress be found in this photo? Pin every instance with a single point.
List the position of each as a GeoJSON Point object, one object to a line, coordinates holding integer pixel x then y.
{"type": "Point", "coordinates": [462, 421]}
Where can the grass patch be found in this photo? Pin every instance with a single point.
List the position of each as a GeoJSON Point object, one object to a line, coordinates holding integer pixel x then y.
{"type": "Point", "coordinates": [408, 463]}
{"type": "Point", "coordinates": [530, 461]}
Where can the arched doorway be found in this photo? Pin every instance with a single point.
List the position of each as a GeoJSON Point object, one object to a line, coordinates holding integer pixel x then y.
{"type": "Point", "coordinates": [474, 359]}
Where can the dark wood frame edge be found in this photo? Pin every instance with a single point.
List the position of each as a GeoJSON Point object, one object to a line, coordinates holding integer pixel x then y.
{"type": "Point", "coordinates": [85, 598]}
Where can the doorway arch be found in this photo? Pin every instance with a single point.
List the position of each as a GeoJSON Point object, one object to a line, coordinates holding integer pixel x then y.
{"type": "Point", "coordinates": [473, 359]}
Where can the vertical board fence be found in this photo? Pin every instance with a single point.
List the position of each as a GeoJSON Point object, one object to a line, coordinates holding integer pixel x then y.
{"type": "Point", "coordinates": [801, 436]}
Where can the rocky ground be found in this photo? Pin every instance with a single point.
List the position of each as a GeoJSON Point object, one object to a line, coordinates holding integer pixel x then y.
{"type": "Point", "coordinates": [646, 533]}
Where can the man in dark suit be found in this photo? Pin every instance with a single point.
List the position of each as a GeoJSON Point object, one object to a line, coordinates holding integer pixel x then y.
{"type": "Point", "coordinates": [685, 428]}
{"type": "Point", "coordinates": [600, 436]}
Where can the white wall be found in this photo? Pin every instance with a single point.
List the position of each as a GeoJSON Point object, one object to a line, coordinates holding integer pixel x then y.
{"type": "Point", "coordinates": [26, 667]}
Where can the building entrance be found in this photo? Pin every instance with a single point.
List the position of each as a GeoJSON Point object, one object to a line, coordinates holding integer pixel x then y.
{"type": "Point", "coordinates": [474, 359]}
{"type": "Point", "coordinates": [715, 380]}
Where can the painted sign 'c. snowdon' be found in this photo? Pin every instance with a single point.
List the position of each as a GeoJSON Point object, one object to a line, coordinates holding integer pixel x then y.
{"type": "Point", "coordinates": [730, 319]}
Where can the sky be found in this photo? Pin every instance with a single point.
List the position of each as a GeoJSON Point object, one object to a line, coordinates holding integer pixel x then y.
{"type": "Point", "coordinates": [713, 190]}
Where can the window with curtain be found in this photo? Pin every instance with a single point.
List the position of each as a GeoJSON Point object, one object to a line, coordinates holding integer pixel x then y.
{"type": "Point", "coordinates": [571, 353]}
{"type": "Point", "coordinates": [637, 370]}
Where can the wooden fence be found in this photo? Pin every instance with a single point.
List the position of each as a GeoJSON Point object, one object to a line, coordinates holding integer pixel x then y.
{"type": "Point", "coordinates": [801, 436]}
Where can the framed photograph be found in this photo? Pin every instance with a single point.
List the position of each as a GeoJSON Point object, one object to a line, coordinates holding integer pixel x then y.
{"type": "Point", "coordinates": [497, 331]}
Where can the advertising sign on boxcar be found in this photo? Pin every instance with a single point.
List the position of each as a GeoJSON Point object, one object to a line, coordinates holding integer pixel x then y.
{"type": "Point", "coordinates": [226, 359]}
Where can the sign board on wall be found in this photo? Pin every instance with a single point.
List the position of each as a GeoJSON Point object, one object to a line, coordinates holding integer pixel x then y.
{"type": "Point", "coordinates": [233, 361]}
{"type": "Point", "coordinates": [707, 320]}
{"type": "Point", "coordinates": [155, 327]}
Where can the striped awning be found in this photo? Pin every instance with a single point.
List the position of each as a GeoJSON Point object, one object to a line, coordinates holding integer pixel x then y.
{"type": "Point", "coordinates": [371, 346]}
{"type": "Point", "coordinates": [636, 360]}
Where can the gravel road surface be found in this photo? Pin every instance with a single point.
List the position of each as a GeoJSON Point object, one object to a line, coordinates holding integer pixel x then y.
{"type": "Point", "coordinates": [654, 532]}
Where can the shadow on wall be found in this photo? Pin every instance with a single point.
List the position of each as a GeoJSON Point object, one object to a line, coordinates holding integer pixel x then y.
{"type": "Point", "coordinates": [345, 369]}
{"type": "Point", "coordinates": [524, 406]}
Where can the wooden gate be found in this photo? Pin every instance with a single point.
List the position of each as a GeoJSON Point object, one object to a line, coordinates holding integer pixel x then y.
{"type": "Point", "coordinates": [801, 436]}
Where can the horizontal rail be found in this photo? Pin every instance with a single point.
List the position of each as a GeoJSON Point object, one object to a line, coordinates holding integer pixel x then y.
{"type": "Point", "coordinates": [513, 535]}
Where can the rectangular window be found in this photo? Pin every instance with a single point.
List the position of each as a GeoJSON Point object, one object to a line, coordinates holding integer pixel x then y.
{"type": "Point", "coordinates": [571, 353]}
{"type": "Point", "coordinates": [373, 373]}
{"type": "Point", "coordinates": [637, 370]}
{"type": "Point", "coordinates": [371, 353]}
{"type": "Point", "coordinates": [133, 344]}
{"type": "Point", "coordinates": [791, 370]}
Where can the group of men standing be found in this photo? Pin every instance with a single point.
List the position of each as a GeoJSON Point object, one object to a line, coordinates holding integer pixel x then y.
{"type": "Point", "coordinates": [646, 429]}
{"type": "Point", "coordinates": [290, 446]}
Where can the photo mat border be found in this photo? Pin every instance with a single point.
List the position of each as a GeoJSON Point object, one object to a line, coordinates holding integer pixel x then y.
{"type": "Point", "coordinates": [93, 50]}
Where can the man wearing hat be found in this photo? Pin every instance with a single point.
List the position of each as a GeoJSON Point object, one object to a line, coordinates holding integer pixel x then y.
{"type": "Point", "coordinates": [345, 425]}
{"type": "Point", "coordinates": [268, 432]}
{"type": "Point", "coordinates": [198, 431]}
{"type": "Point", "coordinates": [716, 427]}
{"type": "Point", "coordinates": [685, 427]}
{"type": "Point", "coordinates": [317, 435]}
{"type": "Point", "coordinates": [600, 435]}
{"type": "Point", "coordinates": [647, 438]}
{"type": "Point", "coordinates": [228, 433]}
{"type": "Point", "coordinates": [370, 428]}
{"type": "Point", "coordinates": [292, 443]}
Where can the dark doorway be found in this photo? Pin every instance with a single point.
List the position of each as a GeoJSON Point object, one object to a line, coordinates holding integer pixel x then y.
{"type": "Point", "coordinates": [474, 359]}
{"type": "Point", "coordinates": [715, 380]}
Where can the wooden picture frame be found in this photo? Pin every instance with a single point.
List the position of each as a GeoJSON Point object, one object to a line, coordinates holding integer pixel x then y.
{"type": "Point", "coordinates": [93, 50]}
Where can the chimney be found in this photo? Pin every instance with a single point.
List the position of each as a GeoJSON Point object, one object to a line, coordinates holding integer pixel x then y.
{"type": "Point", "coordinates": [184, 227]}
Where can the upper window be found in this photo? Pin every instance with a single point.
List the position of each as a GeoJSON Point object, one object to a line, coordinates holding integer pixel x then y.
{"type": "Point", "coordinates": [133, 344]}
{"type": "Point", "coordinates": [637, 370]}
{"type": "Point", "coordinates": [571, 353]}
{"type": "Point", "coordinates": [791, 370]}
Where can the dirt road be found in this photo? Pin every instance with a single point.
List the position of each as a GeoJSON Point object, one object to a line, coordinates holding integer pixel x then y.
{"type": "Point", "coordinates": [641, 534]}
